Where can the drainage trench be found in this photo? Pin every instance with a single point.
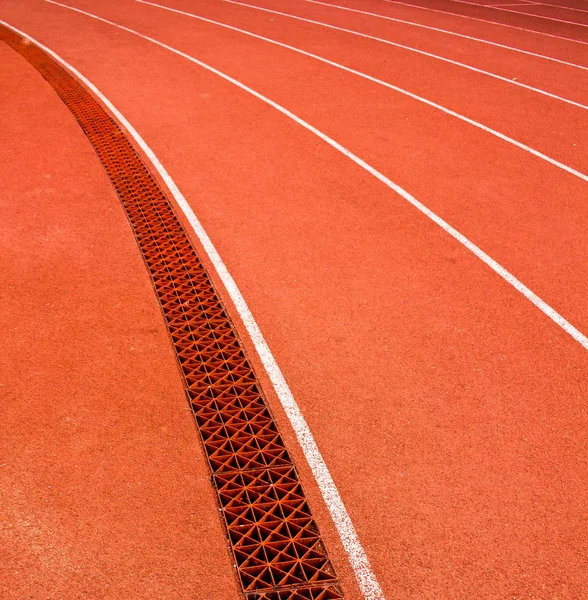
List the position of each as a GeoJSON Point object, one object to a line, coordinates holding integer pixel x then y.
{"type": "Point", "coordinates": [277, 548]}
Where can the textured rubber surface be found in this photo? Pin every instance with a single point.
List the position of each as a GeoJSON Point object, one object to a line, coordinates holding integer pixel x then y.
{"type": "Point", "coordinates": [276, 543]}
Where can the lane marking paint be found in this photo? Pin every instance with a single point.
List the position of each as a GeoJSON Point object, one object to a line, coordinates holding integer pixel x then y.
{"type": "Point", "coordinates": [357, 557]}
{"type": "Point", "coordinates": [493, 5]}
{"type": "Point", "coordinates": [232, 288]}
{"type": "Point", "coordinates": [447, 32]}
{"type": "Point", "coordinates": [410, 49]}
{"type": "Point", "coordinates": [395, 88]}
{"type": "Point", "coordinates": [496, 23]}
{"type": "Point", "coordinates": [518, 12]}
{"type": "Point", "coordinates": [445, 12]}
{"type": "Point", "coordinates": [558, 6]}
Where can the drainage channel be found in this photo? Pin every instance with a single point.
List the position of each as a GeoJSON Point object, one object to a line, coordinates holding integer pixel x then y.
{"type": "Point", "coordinates": [276, 544]}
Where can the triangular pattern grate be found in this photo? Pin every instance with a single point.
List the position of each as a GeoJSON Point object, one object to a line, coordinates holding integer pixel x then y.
{"type": "Point", "coordinates": [323, 592]}
{"type": "Point", "coordinates": [275, 541]}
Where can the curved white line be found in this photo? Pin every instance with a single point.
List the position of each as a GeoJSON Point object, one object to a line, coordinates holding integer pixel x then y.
{"type": "Point", "coordinates": [518, 12]}
{"type": "Point", "coordinates": [447, 32]}
{"type": "Point", "coordinates": [357, 557]}
{"type": "Point", "coordinates": [366, 579]}
{"type": "Point", "coordinates": [410, 49]}
{"type": "Point", "coordinates": [531, 296]}
{"type": "Point", "coordinates": [558, 6]}
{"type": "Point", "coordinates": [331, 63]}
{"type": "Point", "coordinates": [446, 12]}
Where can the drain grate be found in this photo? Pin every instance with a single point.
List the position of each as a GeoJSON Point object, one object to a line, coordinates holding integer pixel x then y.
{"type": "Point", "coordinates": [276, 544]}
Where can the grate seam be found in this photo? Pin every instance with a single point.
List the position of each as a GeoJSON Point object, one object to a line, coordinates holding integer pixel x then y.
{"type": "Point", "coordinates": [278, 550]}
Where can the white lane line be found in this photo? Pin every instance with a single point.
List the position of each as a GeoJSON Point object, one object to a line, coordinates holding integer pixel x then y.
{"type": "Point", "coordinates": [281, 385]}
{"type": "Point", "coordinates": [559, 6]}
{"type": "Point", "coordinates": [409, 48]}
{"type": "Point", "coordinates": [518, 12]}
{"type": "Point", "coordinates": [447, 32]}
{"type": "Point", "coordinates": [367, 581]}
{"type": "Point", "coordinates": [357, 557]}
{"type": "Point", "coordinates": [496, 23]}
{"type": "Point", "coordinates": [395, 88]}
{"type": "Point", "coordinates": [496, 5]}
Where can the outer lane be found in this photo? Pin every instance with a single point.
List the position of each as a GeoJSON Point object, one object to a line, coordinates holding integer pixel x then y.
{"type": "Point", "coordinates": [571, 30]}
{"type": "Point", "coordinates": [483, 186]}
{"type": "Point", "coordinates": [351, 283]}
{"type": "Point", "coordinates": [496, 103]}
{"type": "Point", "coordinates": [452, 21]}
{"type": "Point", "coordinates": [555, 12]}
{"type": "Point", "coordinates": [557, 78]}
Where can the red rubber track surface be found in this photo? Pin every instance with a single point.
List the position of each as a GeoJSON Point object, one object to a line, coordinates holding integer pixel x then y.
{"type": "Point", "coordinates": [493, 32]}
{"type": "Point", "coordinates": [450, 411]}
{"type": "Point", "coordinates": [556, 12]}
{"type": "Point", "coordinates": [529, 21]}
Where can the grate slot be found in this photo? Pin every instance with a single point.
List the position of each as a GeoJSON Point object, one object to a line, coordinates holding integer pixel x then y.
{"type": "Point", "coordinates": [275, 541]}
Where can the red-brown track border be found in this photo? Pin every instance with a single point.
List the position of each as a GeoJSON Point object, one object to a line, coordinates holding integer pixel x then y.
{"type": "Point", "coordinates": [276, 544]}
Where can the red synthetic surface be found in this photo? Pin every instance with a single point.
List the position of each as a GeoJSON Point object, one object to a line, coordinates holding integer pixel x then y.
{"type": "Point", "coordinates": [493, 32]}
{"type": "Point", "coordinates": [508, 17]}
{"type": "Point", "coordinates": [450, 411]}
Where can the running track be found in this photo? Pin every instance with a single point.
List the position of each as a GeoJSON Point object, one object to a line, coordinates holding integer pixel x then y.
{"type": "Point", "coordinates": [449, 409]}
